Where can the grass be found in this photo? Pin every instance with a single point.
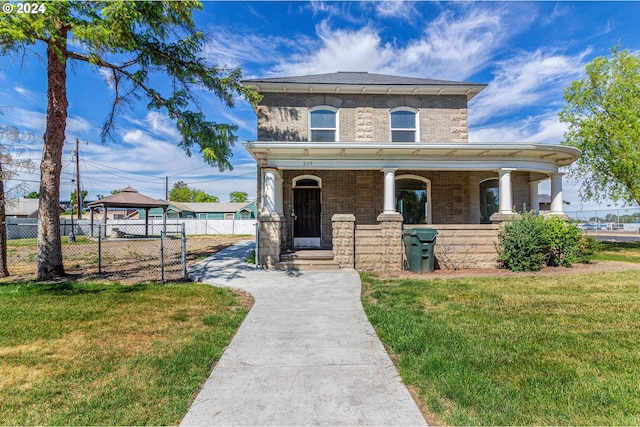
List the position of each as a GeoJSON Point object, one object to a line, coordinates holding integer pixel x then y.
{"type": "Point", "coordinates": [530, 350]}
{"type": "Point", "coordinates": [33, 242]}
{"type": "Point", "coordinates": [108, 354]}
{"type": "Point", "coordinates": [618, 251]}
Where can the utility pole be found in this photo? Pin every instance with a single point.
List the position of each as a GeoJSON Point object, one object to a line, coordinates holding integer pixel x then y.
{"type": "Point", "coordinates": [166, 188]}
{"type": "Point", "coordinates": [78, 195]}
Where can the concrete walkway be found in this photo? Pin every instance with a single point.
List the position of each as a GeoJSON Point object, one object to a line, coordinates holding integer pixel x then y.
{"type": "Point", "coordinates": [305, 355]}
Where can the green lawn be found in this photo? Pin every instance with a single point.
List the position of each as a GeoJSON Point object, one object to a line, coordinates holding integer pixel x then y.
{"type": "Point", "coordinates": [108, 354]}
{"type": "Point", "coordinates": [618, 251]}
{"type": "Point", "coordinates": [529, 350]}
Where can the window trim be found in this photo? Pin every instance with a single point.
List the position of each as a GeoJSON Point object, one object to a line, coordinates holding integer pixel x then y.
{"type": "Point", "coordinates": [480, 184]}
{"type": "Point", "coordinates": [416, 128]}
{"type": "Point", "coordinates": [299, 178]}
{"type": "Point", "coordinates": [427, 185]}
{"type": "Point", "coordinates": [328, 108]}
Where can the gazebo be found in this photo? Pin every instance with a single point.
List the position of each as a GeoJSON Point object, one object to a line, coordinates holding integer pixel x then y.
{"type": "Point", "coordinates": [129, 198]}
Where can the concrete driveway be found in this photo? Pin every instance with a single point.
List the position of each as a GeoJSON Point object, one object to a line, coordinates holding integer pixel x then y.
{"type": "Point", "coordinates": [305, 355]}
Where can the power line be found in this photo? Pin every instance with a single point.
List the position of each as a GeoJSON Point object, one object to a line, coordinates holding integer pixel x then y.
{"type": "Point", "coordinates": [223, 178]}
{"type": "Point", "coordinates": [97, 166]}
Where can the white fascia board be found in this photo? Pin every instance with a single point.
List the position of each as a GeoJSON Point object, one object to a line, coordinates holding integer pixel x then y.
{"type": "Point", "coordinates": [556, 155]}
{"type": "Point", "coordinates": [434, 165]}
{"type": "Point", "coordinates": [469, 91]}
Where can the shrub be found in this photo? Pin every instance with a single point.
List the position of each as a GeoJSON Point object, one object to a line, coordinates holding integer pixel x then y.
{"type": "Point", "coordinates": [588, 248]}
{"type": "Point", "coordinates": [529, 242]}
{"type": "Point", "coordinates": [564, 241]}
{"type": "Point", "coordinates": [522, 243]}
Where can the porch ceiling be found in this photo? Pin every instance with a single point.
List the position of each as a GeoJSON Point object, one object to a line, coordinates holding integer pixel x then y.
{"type": "Point", "coordinates": [369, 155]}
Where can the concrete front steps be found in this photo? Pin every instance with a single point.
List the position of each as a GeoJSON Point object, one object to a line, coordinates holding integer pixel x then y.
{"type": "Point", "coordinates": [307, 259]}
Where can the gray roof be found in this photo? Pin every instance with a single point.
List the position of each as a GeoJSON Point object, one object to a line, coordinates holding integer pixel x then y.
{"type": "Point", "coordinates": [210, 207]}
{"type": "Point", "coordinates": [128, 198]}
{"type": "Point", "coordinates": [358, 78]}
{"type": "Point", "coordinates": [351, 82]}
{"type": "Point", "coordinates": [21, 207]}
{"type": "Point", "coordinates": [545, 198]}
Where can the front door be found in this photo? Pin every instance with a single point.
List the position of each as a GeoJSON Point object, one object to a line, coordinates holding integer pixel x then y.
{"type": "Point", "coordinates": [306, 223]}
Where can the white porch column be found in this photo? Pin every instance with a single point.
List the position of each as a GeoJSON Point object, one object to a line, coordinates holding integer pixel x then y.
{"type": "Point", "coordinates": [389, 190]}
{"type": "Point", "coordinates": [556, 194]}
{"type": "Point", "coordinates": [505, 205]}
{"type": "Point", "coordinates": [533, 197]}
{"type": "Point", "coordinates": [270, 186]}
{"type": "Point", "coordinates": [279, 191]}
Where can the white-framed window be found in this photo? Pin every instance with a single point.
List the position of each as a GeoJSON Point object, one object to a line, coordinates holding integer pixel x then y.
{"type": "Point", "coordinates": [323, 124]}
{"type": "Point", "coordinates": [404, 125]}
{"type": "Point", "coordinates": [229, 216]}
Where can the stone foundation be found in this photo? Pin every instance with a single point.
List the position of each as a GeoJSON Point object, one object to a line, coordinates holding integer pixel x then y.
{"type": "Point", "coordinates": [343, 232]}
{"type": "Point", "coordinates": [269, 236]}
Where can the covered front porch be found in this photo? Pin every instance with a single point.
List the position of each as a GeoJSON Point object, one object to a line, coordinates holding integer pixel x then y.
{"type": "Point", "coordinates": [378, 192]}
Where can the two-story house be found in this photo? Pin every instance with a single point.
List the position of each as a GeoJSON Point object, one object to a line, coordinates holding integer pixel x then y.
{"type": "Point", "coordinates": [347, 160]}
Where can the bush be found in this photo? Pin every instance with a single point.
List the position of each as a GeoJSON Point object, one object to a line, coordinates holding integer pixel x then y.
{"type": "Point", "coordinates": [588, 248]}
{"type": "Point", "coordinates": [530, 242]}
{"type": "Point", "coordinates": [564, 241]}
{"type": "Point", "coordinates": [521, 243]}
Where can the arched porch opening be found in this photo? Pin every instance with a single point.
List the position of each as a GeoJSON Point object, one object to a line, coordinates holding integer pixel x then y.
{"type": "Point", "coordinates": [413, 199]}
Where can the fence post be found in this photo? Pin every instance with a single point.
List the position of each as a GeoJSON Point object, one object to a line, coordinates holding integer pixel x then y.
{"type": "Point", "coordinates": [99, 251]}
{"type": "Point", "coordinates": [184, 252]}
{"type": "Point", "coordinates": [162, 255]}
{"type": "Point", "coordinates": [256, 245]}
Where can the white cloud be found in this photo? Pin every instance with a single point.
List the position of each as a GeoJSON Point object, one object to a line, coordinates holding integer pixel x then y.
{"type": "Point", "coordinates": [339, 50]}
{"type": "Point", "coordinates": [107, 75]}
{"type": "Point", "coordinates": [453, 47]}
{"type": "Point", "coordinates": [526, 80]}
{"type": "Point", "coordinates": [397, 9]}
{"type": "Point", "coordinates": [230, 48]}
{"type": "Point", "coordinates": [546, 129]}
{"type": "Point", "coordinates": [77, 124]}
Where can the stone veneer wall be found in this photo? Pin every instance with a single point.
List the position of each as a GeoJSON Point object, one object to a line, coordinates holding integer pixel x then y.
{"type": "Point", "coordinates": [379, 247]}
{"type": "Point", "coordinates": [343, 240]}
{"type": "Point", "coordinates": [269, 240]}
{"type": "Point", "coordinates": [363, 118]}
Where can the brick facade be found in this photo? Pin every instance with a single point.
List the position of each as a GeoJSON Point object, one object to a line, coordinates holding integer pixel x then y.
{"type": "Point", "coordinates": [454, 197]}
{"type": "Point", "coordinates": [363, 118]}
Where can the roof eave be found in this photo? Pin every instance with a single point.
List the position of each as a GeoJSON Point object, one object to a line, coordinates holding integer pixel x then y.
{"type": "Point", "coordinates": [559, 154]}
{"type": "Point", "coordinates": [469, 90]}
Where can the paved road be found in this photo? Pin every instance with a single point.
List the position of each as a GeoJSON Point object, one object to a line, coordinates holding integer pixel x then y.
{"type": "Point", "coordinates": [305, 355]}
{"type": "Point", "coordinates": [614, 237]}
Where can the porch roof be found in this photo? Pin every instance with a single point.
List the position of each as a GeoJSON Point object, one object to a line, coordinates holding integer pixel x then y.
{"type": "Point", "coordinates": [426, 156]}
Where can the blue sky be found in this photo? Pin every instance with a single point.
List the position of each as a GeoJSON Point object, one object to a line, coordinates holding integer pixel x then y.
{"type": "Point", "coordinates": [527, 53]}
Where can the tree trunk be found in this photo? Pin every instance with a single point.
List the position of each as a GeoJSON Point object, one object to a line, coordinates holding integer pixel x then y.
{"type": "Point", "coordinates": [49, 256]}
{"type": "Point", "coordinates": [4, 268]}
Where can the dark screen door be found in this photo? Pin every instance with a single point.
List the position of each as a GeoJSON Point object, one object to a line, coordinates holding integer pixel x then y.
{"type": "Point", "coordinates": [306, 202]}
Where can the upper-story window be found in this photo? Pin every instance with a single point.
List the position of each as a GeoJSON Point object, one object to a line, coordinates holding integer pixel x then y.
{"type": "Point", "coordinates": [323, 124]}
{"type": "Point", "coordinates": [404, 125]}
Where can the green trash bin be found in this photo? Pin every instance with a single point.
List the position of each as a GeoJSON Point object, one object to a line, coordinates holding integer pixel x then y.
{"type": "Point", "coordinates": [419, 243]}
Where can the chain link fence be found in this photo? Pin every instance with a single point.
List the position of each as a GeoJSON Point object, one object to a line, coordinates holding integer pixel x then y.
{"type": "Point", "coordinates": [114, 250]}
{"type": "Point", "coordinates": [617, 219]}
